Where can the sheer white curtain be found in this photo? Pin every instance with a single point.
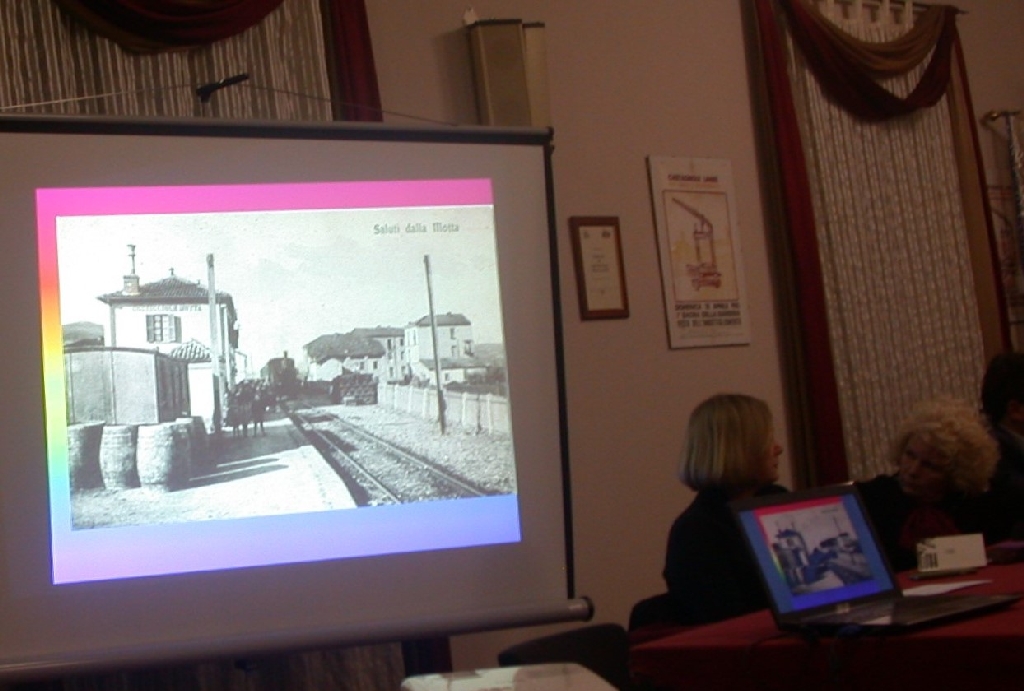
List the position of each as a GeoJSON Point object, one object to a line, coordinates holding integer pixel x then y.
{"type": "Point", "coordinates": [903, 315]}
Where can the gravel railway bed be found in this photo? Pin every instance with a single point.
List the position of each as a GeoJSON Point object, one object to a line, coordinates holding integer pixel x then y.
{"type": "Point", "coordinates": [484, 459]}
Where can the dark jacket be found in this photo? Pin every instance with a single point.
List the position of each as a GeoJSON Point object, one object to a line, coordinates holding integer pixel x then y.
{"type": "Point", "coordinates": [709, 573]}
{"type": "Point", "coordinates": [1008, 480]}
{"type": "Point", "coordinates": [1011, 456]}
{"type": "Point", "coordinates": [889, 509]}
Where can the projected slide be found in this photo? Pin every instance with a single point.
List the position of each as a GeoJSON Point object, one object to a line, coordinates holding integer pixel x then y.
{"type": "Point", "coordinates": [247, 375]}
{"type": "Point", "coordinates": [816, 547]}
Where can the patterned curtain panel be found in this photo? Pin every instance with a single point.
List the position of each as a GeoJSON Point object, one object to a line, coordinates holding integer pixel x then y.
{"type": "Point", "coordinates": [53, 63]}
{"type": "Point", "coordinates": [878, 191]}
{"type": "Point", "coordinates": [1006, 195]}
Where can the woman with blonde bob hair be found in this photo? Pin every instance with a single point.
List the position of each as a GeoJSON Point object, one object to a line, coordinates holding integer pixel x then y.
{"type": "Point", "coordinates": [729, 452]}
{"type": "Point", "coordinates": [944, 457]}
{"type": "Point", "coordinates": [726, 432]}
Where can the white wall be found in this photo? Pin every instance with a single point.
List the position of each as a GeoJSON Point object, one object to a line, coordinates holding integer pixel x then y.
{"type": "Point", "coordinates": [628, 80]}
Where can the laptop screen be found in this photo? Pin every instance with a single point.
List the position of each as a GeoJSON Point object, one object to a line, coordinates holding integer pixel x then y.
{"type": "Point", "coordinates": [814, 548]}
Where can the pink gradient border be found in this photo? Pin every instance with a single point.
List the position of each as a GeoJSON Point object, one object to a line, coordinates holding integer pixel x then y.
{"type": "Point", "coordinates": [99, 201]}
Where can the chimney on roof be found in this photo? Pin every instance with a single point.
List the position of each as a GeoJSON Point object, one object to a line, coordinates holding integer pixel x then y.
{"type": "Point", "coordinates": [131, 280]}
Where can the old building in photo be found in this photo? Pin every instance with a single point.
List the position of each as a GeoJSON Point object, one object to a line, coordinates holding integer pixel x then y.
{"type": "Point", "coordinates": [456, 350]}
{"type": "Point", "coordinates": [155, 363]}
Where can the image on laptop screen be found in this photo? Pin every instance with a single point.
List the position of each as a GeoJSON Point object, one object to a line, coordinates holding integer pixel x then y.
{"type": "Point", "coordinates": [816, 551]}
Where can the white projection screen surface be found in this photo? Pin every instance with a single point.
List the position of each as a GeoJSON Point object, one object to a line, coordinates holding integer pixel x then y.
{"type": "Point", "coordinates": [272, 387]}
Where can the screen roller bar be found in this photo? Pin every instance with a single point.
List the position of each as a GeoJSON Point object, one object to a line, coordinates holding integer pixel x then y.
{"type": "Point", "coordinates": [579, 609]}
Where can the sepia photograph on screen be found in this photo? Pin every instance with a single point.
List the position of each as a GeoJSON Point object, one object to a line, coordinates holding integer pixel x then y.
{"type": "Point", "coordinates": [237, 364]}
{"type": "Point", "coordinates": [816, 548]}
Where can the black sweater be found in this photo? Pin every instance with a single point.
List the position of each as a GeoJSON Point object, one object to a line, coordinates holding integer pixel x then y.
{"type": "Point", "coordinates": [709, 573]}
{"type": "Point", "coordinates": [991, 514]}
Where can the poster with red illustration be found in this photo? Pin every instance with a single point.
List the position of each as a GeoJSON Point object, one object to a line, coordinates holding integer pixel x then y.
{"type": "Point", "coordinates": [699, 248]}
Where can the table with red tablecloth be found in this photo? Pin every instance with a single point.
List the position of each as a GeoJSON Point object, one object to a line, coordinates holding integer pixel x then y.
{"type": "Point", "coordinates": [749, 652]}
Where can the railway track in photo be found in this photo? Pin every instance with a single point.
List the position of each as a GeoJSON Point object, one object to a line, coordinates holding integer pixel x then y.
{"type": "Point", "coordinates": [376, 471]}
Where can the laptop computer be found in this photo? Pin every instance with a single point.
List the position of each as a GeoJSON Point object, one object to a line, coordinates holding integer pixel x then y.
{"type": "Point", "coordinates": [822, 567]}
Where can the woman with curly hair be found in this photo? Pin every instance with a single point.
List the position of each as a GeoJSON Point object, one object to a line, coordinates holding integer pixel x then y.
{"type": "Point", "coordinates": [944, 458]}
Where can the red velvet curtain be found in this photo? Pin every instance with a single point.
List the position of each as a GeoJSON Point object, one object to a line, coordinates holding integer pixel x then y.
{"type": "Point", "coordinates": [150, 26]}
{"type": "Point", "coordinates": [829, 451]}
{"type": "Point", "coordinates": [355, 94]}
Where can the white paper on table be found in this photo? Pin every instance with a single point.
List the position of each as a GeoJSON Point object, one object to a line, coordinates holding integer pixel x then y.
{"type": "Point", "coordinates": [939, 588]}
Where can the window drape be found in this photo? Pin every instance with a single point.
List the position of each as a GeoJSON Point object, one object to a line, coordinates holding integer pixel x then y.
{"type": "Point", "coordinates": [52, 63]}
{"type": "Point", "coordinates": [153, 25]}
{"type": "Point", "coordinates": [893, 215]}
{"type": "Point", "coordinates": [1006, 195]}
{"type": "Point", "coordinates": [354, 90]}
{"type": "Point", "coordinates": [847, 68]}
{"type": "Point", "coordinates": [814, 400]}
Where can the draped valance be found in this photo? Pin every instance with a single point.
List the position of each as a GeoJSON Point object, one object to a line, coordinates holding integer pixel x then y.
{"type": "Point", "coordinates": [149, 26]}
{"type": "Point", "coordinates": [847, 68]}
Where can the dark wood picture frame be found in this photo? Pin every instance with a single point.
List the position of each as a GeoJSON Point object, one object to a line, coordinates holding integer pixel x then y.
{"type": "Point", "coordinates": [600, 273]}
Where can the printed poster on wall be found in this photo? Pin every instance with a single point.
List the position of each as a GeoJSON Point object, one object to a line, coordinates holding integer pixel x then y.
{"type": "Point", "coordinates": [699, 246]}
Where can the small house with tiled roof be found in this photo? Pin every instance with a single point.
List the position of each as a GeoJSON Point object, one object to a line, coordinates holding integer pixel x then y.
{"type": "Point", "coordinates": [166, 313]}
{"type": "Point", "coordinates": [394, 367]}
{"type": "Point", "coordinates": [331, 355]}
{"type": "Point", "coordinates": [455, 348]}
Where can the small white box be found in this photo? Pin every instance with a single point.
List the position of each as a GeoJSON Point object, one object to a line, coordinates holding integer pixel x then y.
{"type": "Point", "coordinates": [951, 553]}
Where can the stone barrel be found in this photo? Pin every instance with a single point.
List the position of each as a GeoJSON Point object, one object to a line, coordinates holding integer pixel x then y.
{"type": "Point", "coordinates": [199, 443]}
{"type": "Point", "coordinates": [117, 457]}
{"type": "Point", "coordinates": [156, 455]}
{"type": "Point", "coordinates": [163, 455]}
{"type": "Point", "coordinates": [84, 442]}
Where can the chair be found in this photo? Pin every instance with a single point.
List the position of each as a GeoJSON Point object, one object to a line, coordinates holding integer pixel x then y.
{"type": "Point", "coordinates": [601, 648]}
{"type": "Point", "coordinates": [656, 609]}
{"type": "Point", "coordinates": [653, 617]}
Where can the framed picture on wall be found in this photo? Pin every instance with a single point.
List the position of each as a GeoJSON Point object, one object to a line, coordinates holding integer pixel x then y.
{"type": "Point", "coordinates": [600, 276]}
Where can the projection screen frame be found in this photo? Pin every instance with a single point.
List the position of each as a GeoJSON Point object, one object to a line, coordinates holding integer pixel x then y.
{"type": "Point", "coordinates": [573, 608]}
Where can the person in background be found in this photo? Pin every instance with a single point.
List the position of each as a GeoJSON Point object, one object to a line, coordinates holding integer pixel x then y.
{"type": "Point", "coordinates": [1002, 400]}
{"type": "Point", "coordinates": [945, 459]}
{"type": "Point", "coordinates": [729, 453]}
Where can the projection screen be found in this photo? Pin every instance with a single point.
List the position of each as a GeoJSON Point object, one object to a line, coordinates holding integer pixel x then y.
{"type": "Point", "coordinates": [272, 387]}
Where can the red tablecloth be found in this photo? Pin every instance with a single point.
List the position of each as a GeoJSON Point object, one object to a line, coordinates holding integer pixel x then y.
{"type": "Point", "coordinates": [749, 652]}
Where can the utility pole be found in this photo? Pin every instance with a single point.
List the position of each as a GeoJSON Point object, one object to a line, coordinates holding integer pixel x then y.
{"type": "Point", "coordinates": [437, 354]}
{"type": "Point", "coordinates": [219, 393]}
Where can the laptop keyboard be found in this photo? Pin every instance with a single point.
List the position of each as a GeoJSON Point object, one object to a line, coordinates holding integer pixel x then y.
{"type": "Point", "coordinates": [932, 604]}
{"type": "Point", "coordinates": [895, 610]}
{"type": "Point", "coordinates": [861, 614]}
